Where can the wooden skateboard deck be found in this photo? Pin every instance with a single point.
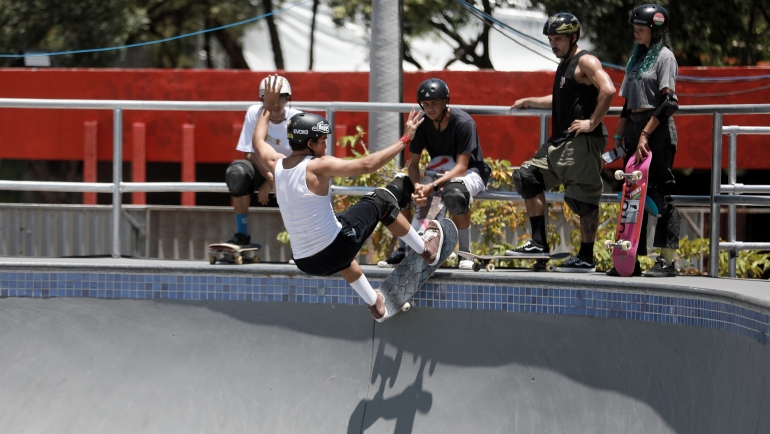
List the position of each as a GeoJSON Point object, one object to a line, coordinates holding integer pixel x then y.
{"type": "Point", "coordinates": [233, 253]}
{"type": "Point", "coordinates": [485, 261]}
{"type": "Point", "coordinates": [407, 278]}
{"type": "Point", "coordinates": [630, 218]}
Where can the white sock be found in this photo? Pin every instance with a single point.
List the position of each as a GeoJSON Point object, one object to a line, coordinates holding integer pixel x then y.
{"type": "Point", "coordinates": [464, 238]}
{"type": "Point", "coordinates": [364, 290]}
{"type": "Point", "coordinates": [413, 240]}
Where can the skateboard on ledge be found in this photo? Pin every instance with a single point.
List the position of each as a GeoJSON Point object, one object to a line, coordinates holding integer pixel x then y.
{"type": "Point", "coordinates": [233, 253]}
{"type": "Point", "coordinates": [485, 261]}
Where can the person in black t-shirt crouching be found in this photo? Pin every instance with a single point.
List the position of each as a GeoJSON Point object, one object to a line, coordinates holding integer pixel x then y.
{"type": "Point", "coordinates": [582, 94]}
{"type": "Point", "coordinates": [449, 132]}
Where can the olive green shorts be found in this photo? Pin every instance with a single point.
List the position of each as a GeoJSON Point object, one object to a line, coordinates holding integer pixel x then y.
{"type": "Point", "coordinates": [576, 163]}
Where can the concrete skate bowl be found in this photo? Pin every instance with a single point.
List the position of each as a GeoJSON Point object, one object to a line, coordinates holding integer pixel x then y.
{"type": "Point", "coordinates": [548, 359]}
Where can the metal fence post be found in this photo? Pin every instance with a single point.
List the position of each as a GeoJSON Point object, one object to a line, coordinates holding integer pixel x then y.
{"type": "Point", "coordinates": [117, 178]}
{"type": "Point", "coordinates": [731, 180]}
{"type": "Point", "coordinates": [716, 181]}
{"type": "Point", "coordinates": [543, 129]}
{"type": "Point", "coordinates": [330, 136]}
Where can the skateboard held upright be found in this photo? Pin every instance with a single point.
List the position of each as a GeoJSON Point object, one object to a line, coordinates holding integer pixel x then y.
{"type": "Point", "coordinates": [407, 278]}
{"type": "Point", "coordinates": [630, 218]}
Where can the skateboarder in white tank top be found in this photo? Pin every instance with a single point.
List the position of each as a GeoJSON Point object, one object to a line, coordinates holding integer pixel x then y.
{"type": "Point", "coordinates": [324, 243]}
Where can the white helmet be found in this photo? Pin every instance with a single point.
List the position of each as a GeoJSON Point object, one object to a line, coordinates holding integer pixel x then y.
{"type": "Point", "coordinates": [285, 86]}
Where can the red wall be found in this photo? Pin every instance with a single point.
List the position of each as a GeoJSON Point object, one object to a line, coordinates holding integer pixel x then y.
{"type": "Point", "coordinates": [59, 134]}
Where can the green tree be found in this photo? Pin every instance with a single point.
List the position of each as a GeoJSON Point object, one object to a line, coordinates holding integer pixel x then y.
{"type": "Point", "coordinates": [703, 32]}
{"type": "Point", "coordinates": [440, 18]}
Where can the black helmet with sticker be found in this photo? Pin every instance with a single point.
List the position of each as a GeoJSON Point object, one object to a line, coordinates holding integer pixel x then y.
{"type": "Point", "coordinates": [563, 23]}
{"type": "Point", "coordinates": [650, 15]}
{"type": "Point", "coordinates": [306, 126]}
{"type": "Point", "coordinates": [432, 88]}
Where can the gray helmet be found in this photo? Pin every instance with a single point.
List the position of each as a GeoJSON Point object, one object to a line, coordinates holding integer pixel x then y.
{"type": "Point", "coordinates": [305, 126]}
{"type": "Point", "coordinates": [650, 15]}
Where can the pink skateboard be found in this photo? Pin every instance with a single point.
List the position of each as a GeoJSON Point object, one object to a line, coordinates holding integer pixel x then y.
{"type": "Point", "coordinates": [631, 215]}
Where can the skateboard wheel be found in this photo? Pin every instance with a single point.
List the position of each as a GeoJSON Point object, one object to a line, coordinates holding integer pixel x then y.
{"type": "Point", "coordinates": [625, 245]}
{"type": "Point", "coordinates": [618, 175]}
{"type": "Point", "coordinates": [549, 267]}
{"type": "Point", "coordinates": [255, 260]}
{"type": "Point", "coordinates": [608, 244]}
{"type": "Point", "coordinates": [212, 260]}
{"type": "Point", "coordinates": [476, 266]}
{"type": "Point", "coordinates": [490, 267]}
{"type": "Point", "coordinates": [452, 256]}
{"type": "Point", "coordinates": [637, 175]}
{"type": "Point", "coordinates": [406, 306]}
{"type": "Point", "coordinates": [238, 260]}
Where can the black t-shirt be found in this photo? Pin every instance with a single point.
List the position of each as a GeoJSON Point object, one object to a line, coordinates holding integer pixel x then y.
{"type": "Point", "coordinates": [571, 101]}
{"type": "Point", "coordinates": [459, 137]}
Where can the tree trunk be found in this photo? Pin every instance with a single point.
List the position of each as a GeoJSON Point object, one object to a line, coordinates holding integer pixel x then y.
{"type": "Point", "coordinates": [312, 33]}
{"type": "Point", "coordinates": [273, 29]}
{"type": "Point", "coordinates": [233, 48]}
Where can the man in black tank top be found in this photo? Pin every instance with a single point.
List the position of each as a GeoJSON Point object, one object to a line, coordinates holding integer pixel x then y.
{"type": "Point", "coordinates": [582, 94]}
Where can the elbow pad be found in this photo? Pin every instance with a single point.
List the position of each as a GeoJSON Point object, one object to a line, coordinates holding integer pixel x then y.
{"type": "Point", "coordinates": [624, 112]}
{"type": "Point", "coordinates": [668, 108]}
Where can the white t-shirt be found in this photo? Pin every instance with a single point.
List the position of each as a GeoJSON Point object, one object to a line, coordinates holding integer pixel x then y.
{"type": "Point", "coordinates": [276, 133]}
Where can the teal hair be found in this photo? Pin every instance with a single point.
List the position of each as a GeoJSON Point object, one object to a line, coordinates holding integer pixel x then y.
{"type": "Point", "coordinates": [650, 57]}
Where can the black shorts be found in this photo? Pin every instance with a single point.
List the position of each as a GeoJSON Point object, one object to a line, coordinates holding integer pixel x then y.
{"type": "Point", "coordinates": [358, 223]}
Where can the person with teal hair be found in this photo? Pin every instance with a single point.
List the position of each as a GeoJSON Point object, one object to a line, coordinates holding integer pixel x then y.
{"type": "Point", "coordinates": [646, 125]}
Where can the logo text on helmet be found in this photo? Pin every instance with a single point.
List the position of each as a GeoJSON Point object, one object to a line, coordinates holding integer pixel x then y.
{"type": "Point", "coordinates": [300, 131]}
{"type": "Point", "coordinates": [321, 127]}
{"type": "Point", "coordinates": [658, 19]}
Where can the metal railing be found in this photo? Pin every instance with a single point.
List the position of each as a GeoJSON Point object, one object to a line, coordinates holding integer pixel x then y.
{"type": "Point", "coordinates": [117, 186]}
{"type": "Point", "coordinates": [734, 196]}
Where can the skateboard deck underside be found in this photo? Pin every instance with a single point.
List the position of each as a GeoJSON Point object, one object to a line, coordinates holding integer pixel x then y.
{"type": "Point", "coordinates": [630, 217]}
{"type": "Point", "coordinates": [407, 278]}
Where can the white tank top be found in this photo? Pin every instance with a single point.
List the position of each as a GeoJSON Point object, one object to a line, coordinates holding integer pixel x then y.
{"type": "Point", "coordinates": [308, 217]}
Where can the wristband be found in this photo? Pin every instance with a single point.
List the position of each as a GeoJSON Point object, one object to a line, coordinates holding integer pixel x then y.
{"type": "Point", "coordinates": [618, 137]}
{"type": "Point", "coordinates": [646, 133]}
{"type": "Point", "coordinates": [406, 140]}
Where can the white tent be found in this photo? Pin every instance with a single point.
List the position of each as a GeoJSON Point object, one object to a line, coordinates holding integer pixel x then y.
{"type": "Point", "coordinates": [346, 48]}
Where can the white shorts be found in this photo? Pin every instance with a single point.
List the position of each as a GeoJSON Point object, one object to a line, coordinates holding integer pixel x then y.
{"type": "Point", "coordinates": [473, 182]}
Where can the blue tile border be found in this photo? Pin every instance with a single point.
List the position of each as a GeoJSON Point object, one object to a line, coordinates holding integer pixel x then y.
{"type": "Point", "coordinates": [639, 306]}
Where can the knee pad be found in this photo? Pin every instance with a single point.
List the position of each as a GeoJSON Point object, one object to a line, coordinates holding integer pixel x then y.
{"type": "Point", "coordinates": [401, 188]}
{"type": "Point", "coordinates": [528, 181]}
{"type": "Point", "coordinates": [457, 197]}
{"type": "Point", "coordinates": [579, 207]}
{"type": "Point", "coordinates": [385, 199]}
{"type": "Point", "coordinates": [240, 178]}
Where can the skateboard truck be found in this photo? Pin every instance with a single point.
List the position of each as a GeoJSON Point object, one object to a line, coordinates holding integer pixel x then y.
{"type": "Point", "coordinates": [633, 176]}
{"type": "Point", "coordinates": [624, 245]}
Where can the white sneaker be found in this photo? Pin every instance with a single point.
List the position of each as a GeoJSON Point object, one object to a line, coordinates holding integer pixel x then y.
{"type": "Point", "coordinates": [466, 264]}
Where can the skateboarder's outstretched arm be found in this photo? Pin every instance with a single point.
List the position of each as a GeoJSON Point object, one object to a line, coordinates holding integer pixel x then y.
{"type": "Point", "coordinates": [331, 166]}
{"type": "Point", "coordinates": [265, 153]}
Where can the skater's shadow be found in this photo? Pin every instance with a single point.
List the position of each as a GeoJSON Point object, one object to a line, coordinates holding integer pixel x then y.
{"type": "Point", "coordinates": [402, 407]}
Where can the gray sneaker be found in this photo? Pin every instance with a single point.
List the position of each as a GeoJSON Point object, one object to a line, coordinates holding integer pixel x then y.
{"type": "Point", "coordinates": [433, 239]}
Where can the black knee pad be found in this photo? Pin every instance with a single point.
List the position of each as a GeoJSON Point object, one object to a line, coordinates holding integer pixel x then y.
{"type": "Point", "coordinates": [385, 200]}
{"type": "Point", "coordinates": [579, 207]}
{"type": "Point", "coordinates": [528, 181]}
{"type": "Point", "coordinates": [402, 190]}
{"type": "Point", "coordinates": [456, 197]}
{"type": "Point", "coordinates": [240, 178]}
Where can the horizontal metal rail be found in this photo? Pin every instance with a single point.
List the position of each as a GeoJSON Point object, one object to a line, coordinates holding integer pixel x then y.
{"type": "Point", "coordinates": [742, 188]}
{"type": "Point", "coordinates": [742, 200]}
{"type": "Point", "coordinates": [734, 129]}
{"type": "Point", "coordinates": [739, 245]}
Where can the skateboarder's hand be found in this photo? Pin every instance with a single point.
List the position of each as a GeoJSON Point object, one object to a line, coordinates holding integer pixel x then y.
{"type": "Point", "coordinates": [263, 195]}
{"type": "Point", "coordinates": [521, 104]}
{"type": "Point", "coordinates": [412, 122]}
{"type": "Point", "coordinates": [272, 92]}
{"type": "Point", "coordinates": [580, 126]}
{"type": "Point", "coordinates": [642, 150]}
{"type": "Point", "coordinates": [421, 193]}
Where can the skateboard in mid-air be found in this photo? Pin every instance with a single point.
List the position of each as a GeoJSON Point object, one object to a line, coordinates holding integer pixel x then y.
{"type": "Point", "coordinates": [485, 261]}
{"type": "Point", "coordinates": [434, 209]}
{"type": "Point", "coordinates": [233, 253]}
{"type": "Point", "coordinates": [630, 218]}
{"type": "Point", "coordinates": [407, 278]}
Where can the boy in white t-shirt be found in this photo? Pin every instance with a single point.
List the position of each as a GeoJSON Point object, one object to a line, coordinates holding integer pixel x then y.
{"type": "Point", "coordinates": [247, 176]}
